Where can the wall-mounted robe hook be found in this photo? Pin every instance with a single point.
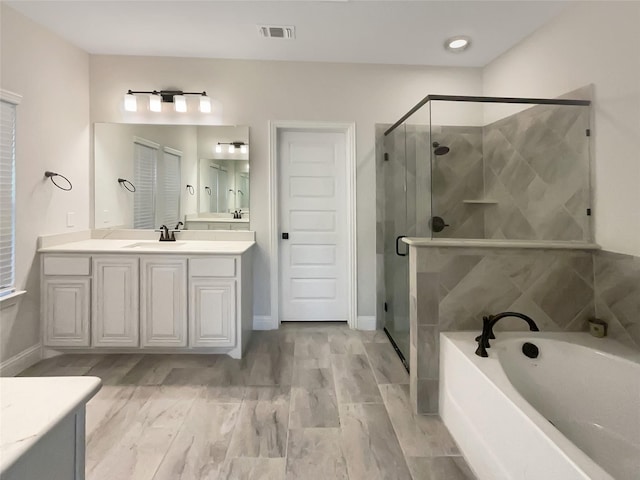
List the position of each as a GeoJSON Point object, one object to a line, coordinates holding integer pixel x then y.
{"type": "Point", "coordinates": [127, 184]}
{"type": "Point", "coordinates": [51, 175]}
{"type": "Point", "coordinates": [191, 190]}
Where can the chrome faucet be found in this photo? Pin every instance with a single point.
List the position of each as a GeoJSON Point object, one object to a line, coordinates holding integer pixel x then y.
{"type": "Point", "coordinates": [487, 329]}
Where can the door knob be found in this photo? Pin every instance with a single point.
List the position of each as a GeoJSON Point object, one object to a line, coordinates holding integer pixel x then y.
{"type": "Point", "coordinates": [285, 236]}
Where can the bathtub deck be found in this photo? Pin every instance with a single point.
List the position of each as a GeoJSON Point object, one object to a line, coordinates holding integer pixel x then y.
{"type": "Point", "coordinates": [312, 401]}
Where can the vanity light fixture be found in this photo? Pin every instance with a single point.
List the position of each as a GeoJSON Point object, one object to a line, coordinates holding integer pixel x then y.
{"type": "Point", "coordinates": [156, 98]}
{"type": "Point", "coordinates": [130, 102]}
{"type": "Point", "coordinates": [205, 103]}
{"type": "Point", "coordinates": [155, 102]}
{"type": "Point", "coordinates": [244, 148]}
{"type": "Point", "coordinates": [180, 103]}
{"type": "Point", "coordinates": [457, 44]}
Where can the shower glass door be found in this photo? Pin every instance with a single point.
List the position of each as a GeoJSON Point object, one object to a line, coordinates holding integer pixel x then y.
{"type": "Point", "coordinates": [396, 258]}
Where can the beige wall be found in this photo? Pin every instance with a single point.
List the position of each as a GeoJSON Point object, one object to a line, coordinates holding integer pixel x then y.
{"type": "Point", "coordinates": [52, 134]}
{"type": "Point", "coordinates": [591, 43]}
{"type": "Point", "coordinates": [254, 92]}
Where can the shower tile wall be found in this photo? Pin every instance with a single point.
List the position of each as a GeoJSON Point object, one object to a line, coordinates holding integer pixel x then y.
{"type": "Point", "coordinates": [452, 288]}
{"type": "Point", "coordinates": [536, 166]}
{"type": "Point", "coordinates": [458, 176]}
{"type": "Point", "coordinates": [617, 289]}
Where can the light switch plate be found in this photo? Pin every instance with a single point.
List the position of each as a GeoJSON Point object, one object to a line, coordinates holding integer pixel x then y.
{"type": "Point", "coordinates": [71, 217]}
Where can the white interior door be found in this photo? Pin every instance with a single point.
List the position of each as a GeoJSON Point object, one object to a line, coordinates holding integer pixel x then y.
{"type": "Point", "coordinates": [312, 211]}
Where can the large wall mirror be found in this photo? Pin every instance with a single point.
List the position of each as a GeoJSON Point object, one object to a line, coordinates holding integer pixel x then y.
{"type": "Point", "coordinates": [152, 175]}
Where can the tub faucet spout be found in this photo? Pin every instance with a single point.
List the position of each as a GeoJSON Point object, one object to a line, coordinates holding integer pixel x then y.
{"type": "Point", "coordinates": [487, 329]}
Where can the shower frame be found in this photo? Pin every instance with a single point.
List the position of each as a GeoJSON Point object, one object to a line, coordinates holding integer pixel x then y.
{"type": "Point", "coordinates": [476, 99]}
{"type": "Point", "coordinates": [471, 99]}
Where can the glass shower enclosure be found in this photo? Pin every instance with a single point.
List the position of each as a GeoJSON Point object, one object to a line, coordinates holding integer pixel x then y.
{"type": "Point", "coordinates": [487, 168]}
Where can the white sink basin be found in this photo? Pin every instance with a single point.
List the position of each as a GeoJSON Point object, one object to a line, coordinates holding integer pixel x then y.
{"type": "Point", "coordinates": [155, 245]}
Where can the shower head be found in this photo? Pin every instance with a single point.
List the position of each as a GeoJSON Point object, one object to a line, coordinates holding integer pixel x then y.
{"type": "Point", "coordinates": [440, 149]}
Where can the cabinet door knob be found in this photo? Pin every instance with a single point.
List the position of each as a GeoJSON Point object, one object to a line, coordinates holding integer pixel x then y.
{"type": "Point", "coordinates": [285, 236]}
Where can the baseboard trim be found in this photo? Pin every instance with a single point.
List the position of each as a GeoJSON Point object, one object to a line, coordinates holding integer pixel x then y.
{"type": "Point", "coordinates": [263, 322]}
{"type": "Point", "coordinates": [366, 322]}
{"type": "Point", "coordinates": [23, 360]}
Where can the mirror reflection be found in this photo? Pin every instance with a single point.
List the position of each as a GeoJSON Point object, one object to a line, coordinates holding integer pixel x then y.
{"type": "Point", "coordinates": [152, 175]}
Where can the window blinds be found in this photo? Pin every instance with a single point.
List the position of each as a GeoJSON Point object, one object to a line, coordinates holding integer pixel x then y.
{"type": "Point", "coordinates": [168, 192]}
{"type": "Point", "coordinates": [145, 167]}
{"type": "Point", "coordinates": [7, 195]}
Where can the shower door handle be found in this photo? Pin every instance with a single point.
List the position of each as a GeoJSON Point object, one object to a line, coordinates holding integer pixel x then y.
{"type": "Point", "coordinates": [398, 244]}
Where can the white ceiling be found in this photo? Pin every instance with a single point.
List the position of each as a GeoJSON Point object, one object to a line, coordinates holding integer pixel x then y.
{"type": "Point", "coordinates": [388, 32]}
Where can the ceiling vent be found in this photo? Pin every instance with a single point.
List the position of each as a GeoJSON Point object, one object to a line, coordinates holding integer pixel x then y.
{"type": "Point", "coordinates": [274, 31]}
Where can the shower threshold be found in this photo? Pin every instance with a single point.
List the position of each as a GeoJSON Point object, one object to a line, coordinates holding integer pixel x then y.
{"type": "Point", "coordinates": [398, 351]}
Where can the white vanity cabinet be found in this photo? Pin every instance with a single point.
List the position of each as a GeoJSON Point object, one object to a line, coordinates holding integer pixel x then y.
{"type": "Point", "coordinates": [66, 291]}
{"type": "Point", "coordinates": [212, 292]}
{"type": "Point", "coordinates": [115, 310]}
{"type": "Point", "coordinates": [163, 306]}
{"type": "Point", "coordinates": [136, 300]}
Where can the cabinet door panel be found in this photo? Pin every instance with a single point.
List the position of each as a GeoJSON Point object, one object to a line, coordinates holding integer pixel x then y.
{"type": "Point", "coordinates": [66, 311]}
{"type": "Point", "coordinates": [163, 310]}
{"type": "Point", "coordinates": [212, 313]}
{"type": "Point", "coordinates": [115, 302]}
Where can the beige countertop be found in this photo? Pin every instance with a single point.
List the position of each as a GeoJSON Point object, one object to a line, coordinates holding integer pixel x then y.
{"type": "Point", "coordinates": [33, 406]}
{"type": "Point", "coordinates": [183, 247]}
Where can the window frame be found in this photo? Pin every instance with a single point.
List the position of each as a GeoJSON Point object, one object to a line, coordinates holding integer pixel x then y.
{"type": "Point", "coordinates": [13, 99]}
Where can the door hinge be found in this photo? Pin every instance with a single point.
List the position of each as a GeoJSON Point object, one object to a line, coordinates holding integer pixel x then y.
{"type": "Point", "coordinates": [588, 132]}
{"type": "Point", "coordinates": [588, 212]}
{"type": "Point", "coordinates": [386, 307]}
{"type": "Point", "coordinates": [386, 157]}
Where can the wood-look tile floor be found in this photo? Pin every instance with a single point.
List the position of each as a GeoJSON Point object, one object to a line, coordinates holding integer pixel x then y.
{"type": "Point", "coordinates": [308, 401]}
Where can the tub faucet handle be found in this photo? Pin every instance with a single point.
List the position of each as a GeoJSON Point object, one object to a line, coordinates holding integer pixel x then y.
{"type": "Point", "coordinates": [491, 335]}
{"type": "Point", "coordinates": [487, 329]}
{"type": "Point", "coordinates": [483, 342]}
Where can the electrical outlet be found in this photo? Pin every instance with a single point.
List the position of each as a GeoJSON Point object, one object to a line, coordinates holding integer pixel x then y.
{"type": "Point", "coordinates": [105, 216]}
{"type": "Point", "coordinates": [71, 219]}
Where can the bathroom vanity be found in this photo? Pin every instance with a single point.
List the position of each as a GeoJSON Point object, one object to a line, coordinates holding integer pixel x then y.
{"type": "Point", "coordinates": [188, 296]}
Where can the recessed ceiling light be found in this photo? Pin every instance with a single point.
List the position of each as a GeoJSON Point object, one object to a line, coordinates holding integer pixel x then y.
{"type": "Point", "coordinates": [459, 43]}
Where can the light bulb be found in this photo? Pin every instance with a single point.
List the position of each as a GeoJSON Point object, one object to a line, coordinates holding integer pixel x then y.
{"type": "Point", "coordinates": [243, 149]}
{"type": "Point", "coordinates": [218, 148]}
{"type": "Point", "coordinates": [155, 103]}
{"type": "Point", "coordinates": [130, 102]}
{"type": "Point", "coordinates": [180, 103]}
{"type": "Point", "coordinates": [205, 104]}
{"type": "Point", "coordinates": [232, 149]}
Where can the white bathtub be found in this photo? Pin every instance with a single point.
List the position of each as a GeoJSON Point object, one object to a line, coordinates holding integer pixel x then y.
{"type": "Point", "coordinates": [572, 413]}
